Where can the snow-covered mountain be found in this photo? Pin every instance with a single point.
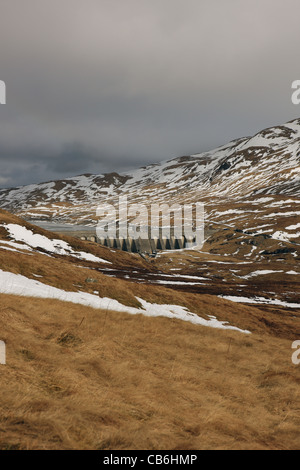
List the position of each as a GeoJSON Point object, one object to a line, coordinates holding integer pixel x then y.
{"type": "Point", "coordinates": [251, 191]}
{"type": "Point", "coordinates": [253, 181]}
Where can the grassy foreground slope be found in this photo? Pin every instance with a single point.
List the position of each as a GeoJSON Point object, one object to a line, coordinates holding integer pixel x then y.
{"type": "Point", "coordinates": [80, 378]}
{"type": "Point", "coordinates": [84, 378]}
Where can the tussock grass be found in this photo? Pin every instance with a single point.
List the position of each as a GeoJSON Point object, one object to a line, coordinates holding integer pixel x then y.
{"type": "Point", "coordinates": [66, 275]}
{"type": "Point", "coordinates": [79, 378]}
{"type": "Point", "coordinates": [71, 274]}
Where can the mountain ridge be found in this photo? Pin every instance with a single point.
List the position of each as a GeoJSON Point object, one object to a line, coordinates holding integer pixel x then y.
{"type": "Point", "coordinates": [234, 176]}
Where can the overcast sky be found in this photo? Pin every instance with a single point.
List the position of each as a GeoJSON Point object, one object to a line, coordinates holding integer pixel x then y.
{"type": "Point", "coordinates": [96, 86]}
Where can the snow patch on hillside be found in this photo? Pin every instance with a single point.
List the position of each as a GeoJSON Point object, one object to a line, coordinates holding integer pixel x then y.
{"type": "Point", "coordinates": [259, 300]}
{"type": "Point", "coordinates": [17, 284]}
{"type": "Point", "coordinates": [55, 246]}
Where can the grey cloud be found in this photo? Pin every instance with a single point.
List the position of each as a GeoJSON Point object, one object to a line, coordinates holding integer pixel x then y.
{"type": "Point", "coordinates": [25, 165]}
{"type": "Point", "coordinates": [100, 86]}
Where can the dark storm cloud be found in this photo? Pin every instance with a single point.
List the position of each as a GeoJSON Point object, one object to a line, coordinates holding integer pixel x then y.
{"type": "Point", "coordinates": [19, 166]}
{"type": "Point", "coordinates": [103, 85]}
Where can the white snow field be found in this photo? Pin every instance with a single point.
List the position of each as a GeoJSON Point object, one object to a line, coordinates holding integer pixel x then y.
{"type": "Point", "coordinates": [17, 284]}
{"type": "Point", "coordinates": [259, 300]}
{"type": "Point", "coordinates": [22, 234]}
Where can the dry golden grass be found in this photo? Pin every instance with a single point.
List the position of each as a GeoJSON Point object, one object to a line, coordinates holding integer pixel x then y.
{"type": "Point", "coordinates": [79, 378]}
{"type": "Point", "coordinates": [71, 274]}
{"type": "Point", "coordinates": [64, 273]}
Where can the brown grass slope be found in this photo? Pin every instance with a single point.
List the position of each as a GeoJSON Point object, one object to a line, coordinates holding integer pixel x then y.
{"type": "Point", "coordinates": [82, 378]}
{"type": "Point", "coordinates": [79, 378]}
{"type": "Point", "coordinates": [71, 274]}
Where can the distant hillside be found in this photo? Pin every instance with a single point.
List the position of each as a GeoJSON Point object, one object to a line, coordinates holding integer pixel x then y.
{"type": "Point", "coordinates": [249, 184]}
{"type": "Point", "coordinates": [267, 163]}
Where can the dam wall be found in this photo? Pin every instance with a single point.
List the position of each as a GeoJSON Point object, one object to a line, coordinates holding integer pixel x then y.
{"type": "Point", "coordinates": [140, 245]}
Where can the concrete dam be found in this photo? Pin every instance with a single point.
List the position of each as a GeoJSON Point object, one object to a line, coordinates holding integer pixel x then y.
{"type": "Point", "coordinates": [140, 245]}
{"type": "Point", "coordinates": [144, 245]}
